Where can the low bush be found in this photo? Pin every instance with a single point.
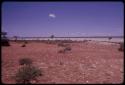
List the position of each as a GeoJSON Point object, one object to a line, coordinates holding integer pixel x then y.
{"type": "Point", "coordinates": [84, 41]}
{"type": "Point", "coordinates": [27, 73]}
{"type": "Point", "coordinates": [67, 49]}
{"type": "Point", "coordinates": [26, 61]}
{"type": "Point", "coordinates": [61, 44]}
{"type": "Point", "coordinates": [61, 63]}
{"type": "Point", "coordinates": [121, 47]}
{"type": "Point", "coordinates": [23, 45]}
{"type": "Point", "coordinates": [25, 42]}
{"type": "Point", "coordinates": [61, 51]}
{"type": "Point", "coordinates": [5, 42]}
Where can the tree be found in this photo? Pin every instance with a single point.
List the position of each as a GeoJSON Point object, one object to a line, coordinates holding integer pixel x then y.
{"type": "Point", "coordinates": [5, 40]}
{"type": "Point", "coordinates": [110, 38]}
{"type": "Point", "coordinates": [52, 36]}
{"type": "Point", "coordinates": [15, 37]}
{"type": "Point", "coordinates": [4, 34]}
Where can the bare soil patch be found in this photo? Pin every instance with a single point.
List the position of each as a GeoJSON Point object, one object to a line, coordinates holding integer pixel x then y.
{"type": "Point", "coordinates": [85, 63]}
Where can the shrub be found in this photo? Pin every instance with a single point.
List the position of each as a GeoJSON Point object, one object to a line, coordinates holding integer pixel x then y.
{"type": "Point", "coordinates": [27, 73]}
{"type": "Point", "coordinates": [26, 61]}
{"type": "Point", "coordinates": [84, 41]}
{"type": "Point", "coordinates": [61, 63]}
{"type": "Point", "coordinates": [23, 45]}
{"type": "Point", "coordinates": [61, 51]}
{"type": "Point", "coordinates": [25, 42]}
{"type": "Point", "coordinates": [121, 47]}
{"type": "Point", "coordinates": [50, 42]}
{"type": "Point", "coordinates": [67, 49]}
{"type": "Point", "coordinates": [61, 44]}
{"type": "Point", "coordinates": [5, 41]}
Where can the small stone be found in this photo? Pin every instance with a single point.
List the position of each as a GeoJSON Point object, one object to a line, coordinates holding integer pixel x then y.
{"type": "Point", "coordinates": [87, 81]}
{"type": "Point", "coordinates": [61, 63]}
{"type": "Point", "coordinates": [33, 81]}
{"type": "Point", "coordinates": [121, 70]}
{"type": "Point", "coordinates": [93, 66]}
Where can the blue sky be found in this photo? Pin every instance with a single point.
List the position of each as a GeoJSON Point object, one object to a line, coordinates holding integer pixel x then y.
{"type": "Point", "coordinates": [35, 19]}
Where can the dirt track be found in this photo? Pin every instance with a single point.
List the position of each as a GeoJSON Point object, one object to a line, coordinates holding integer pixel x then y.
{"type": "Point", "coordinates": [85, 63]}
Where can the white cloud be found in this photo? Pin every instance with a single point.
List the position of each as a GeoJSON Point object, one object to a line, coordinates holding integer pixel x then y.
{"type": "Point", "coordinates": [52, 15]}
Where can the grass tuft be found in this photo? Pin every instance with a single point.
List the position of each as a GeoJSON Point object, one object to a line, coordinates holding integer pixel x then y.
{"type": "Point", "coordinates": [26, 61]}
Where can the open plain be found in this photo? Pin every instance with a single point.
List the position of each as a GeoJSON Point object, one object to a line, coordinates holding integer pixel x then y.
{"type": "Point", "coordinates": [88, 62]}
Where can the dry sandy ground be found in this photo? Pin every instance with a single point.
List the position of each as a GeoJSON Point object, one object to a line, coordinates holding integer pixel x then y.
{"type": "Point", "coordinates": [90, 62]}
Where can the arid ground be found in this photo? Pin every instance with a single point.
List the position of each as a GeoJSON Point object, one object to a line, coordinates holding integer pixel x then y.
{"type": "Point", "coordinates": [89, 62]}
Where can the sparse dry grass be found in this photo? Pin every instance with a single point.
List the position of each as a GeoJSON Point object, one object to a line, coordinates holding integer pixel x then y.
{"type": "Point", "coordinates": [92, 63]}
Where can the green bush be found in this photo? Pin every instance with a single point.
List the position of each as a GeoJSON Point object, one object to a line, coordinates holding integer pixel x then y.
{"type": "Point", "coordinates": [27, 73]}
{"type": "Point", "coordinates": [26, 61]}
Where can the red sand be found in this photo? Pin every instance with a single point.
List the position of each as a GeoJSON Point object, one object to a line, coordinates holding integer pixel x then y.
{"type": "Point", "coordinates": [85, 63]}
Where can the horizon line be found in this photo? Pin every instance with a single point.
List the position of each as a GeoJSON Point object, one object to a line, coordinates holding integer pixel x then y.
{"type": "Point", "coordinates": [75, 37]}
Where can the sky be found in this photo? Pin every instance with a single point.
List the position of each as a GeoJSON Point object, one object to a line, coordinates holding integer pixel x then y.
{"type": "Point", "coordinates": [62, 19]}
